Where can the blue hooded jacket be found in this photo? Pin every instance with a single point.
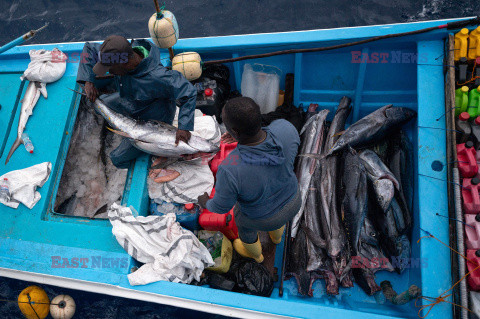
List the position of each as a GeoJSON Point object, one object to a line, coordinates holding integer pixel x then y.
{"type": "Point", "coordinates": [261, 177]}
{"type": "Point", "coordinates": [150, 85]}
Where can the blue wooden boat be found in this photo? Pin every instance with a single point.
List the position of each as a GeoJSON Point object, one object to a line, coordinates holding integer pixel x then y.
{"type": "Point", "coordinates": [412, 76]}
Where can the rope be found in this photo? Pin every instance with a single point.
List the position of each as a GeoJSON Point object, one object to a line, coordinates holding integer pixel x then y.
{"type": "Point", "coordinates": [473, 78]}
{"type": "Point", "coordinates": [444, 295]}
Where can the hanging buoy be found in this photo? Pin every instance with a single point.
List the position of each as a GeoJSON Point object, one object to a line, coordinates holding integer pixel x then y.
{"type": "Point", "coordinates": [62, 307]}
{"type": "Point", "coordinates": [163, 29]}
{"type": "Point", "coordinates": [189, 64]}
{"type": "Point", "coordinates": [34, 303]}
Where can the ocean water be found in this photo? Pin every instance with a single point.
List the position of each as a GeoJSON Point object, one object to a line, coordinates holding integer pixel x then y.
{"type": "Point", "coordinates": [94, 20]}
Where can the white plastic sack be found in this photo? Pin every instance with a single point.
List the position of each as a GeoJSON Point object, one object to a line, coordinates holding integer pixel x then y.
{"type": "Point", "coordinates": [262, 84]}
{"type": "Point", "coordinates": [45, 66]}
{"type": "Point", "coordinates": [475, 302]}
{"type": "Point", "coordinates": [168, 251]}
{"type": "Point", "coordinates": [195, 179]}
{"type": "Point", "coordinates": [23, 184]}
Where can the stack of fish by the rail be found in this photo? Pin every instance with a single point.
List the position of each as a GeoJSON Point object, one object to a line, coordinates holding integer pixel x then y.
{"type": "Point", "coordinates": [356, 188]}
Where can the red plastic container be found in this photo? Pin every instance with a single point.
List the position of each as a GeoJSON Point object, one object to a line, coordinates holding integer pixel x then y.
{"type": "Point", "coordinates": [472, 231]}
{"type": "Point", "coordinates": [467, 160]}
{"type": "Point", "coordinates": [471, 195]}
{"type": "Point", "coordinates": [224, 223]}
{"type": "Point", "coordinates": [472, 263]}
{"type": "Point", "coordinates": [225, 149]}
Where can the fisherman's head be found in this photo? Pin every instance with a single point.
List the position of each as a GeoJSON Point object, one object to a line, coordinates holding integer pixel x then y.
{"type": "Point", "coordinates": [242, 118]}
{"type": "Point", "coordinates": [116, 56]}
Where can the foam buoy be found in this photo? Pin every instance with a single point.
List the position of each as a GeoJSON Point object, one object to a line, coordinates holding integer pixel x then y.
{"type": "Point", "coordinates": [163, 29]}
{"type": "Point", "coordinates": [189, 64]}
{"type": "Point", "coordinates": [34, 303]}
{"type": "Point", "coordinates": [62, 307]}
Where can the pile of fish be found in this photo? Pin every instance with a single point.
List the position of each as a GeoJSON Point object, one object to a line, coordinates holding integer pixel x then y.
{"type": "Point", "coordinates": [357, 197]}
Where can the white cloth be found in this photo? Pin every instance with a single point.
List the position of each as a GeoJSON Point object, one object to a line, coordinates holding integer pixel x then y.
{"type": "Point", "coordinates": [24, 182]}
{"type": "Point", "coordinates": [45, 66]}
{"type": "Point", "coordinates": [168, 251]}
{"type": "Point", "coordinates": [195, 179]}
{"type": "Point", "coordinates": [475, 302]}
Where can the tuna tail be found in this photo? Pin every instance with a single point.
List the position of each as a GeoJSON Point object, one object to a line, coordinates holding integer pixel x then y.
{"type": "Point", "coordinates": [15, 145]}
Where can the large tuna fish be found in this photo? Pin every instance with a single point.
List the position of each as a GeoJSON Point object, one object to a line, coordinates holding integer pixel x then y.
{"type": "Point", "coordinates": [354, 211]}
{"type": "Point", "coordinates": [373, 127]}
{"type": "Point", "coordinates": [152, 137]}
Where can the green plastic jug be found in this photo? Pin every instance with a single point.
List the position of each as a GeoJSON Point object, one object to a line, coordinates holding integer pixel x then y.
{"type": "Point", "coordinates": [461, 100]}
{"type": "Point", "coordinates": [474, 103]}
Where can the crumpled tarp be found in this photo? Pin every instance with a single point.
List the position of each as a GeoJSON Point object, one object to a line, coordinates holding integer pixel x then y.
{"type": "Point", "coordinates": [168, 251]}
{"type": "Point", "coordinates": [23, 184]}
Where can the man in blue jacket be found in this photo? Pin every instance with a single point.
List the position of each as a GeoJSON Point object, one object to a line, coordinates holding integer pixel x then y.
{"type": "Point", "coordinates": [150, 89]}
{"type": "Point", "coordinates": [257, 177]}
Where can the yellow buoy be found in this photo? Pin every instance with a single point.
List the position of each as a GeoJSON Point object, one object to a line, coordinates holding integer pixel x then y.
{"type": "Point", "coordinates": [163, 29]}
{"type": "Point", "coordinates": [62, 307]}
{"type": "Point", "coordinates": [189, 64]}
{"type": "Point", "coordinates": [34, 303]}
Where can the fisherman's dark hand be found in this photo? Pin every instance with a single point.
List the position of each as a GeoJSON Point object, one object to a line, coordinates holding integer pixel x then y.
{"type": "Point", "coordinates": [227, 138]}
{"type": "Point", "coordinates": [202, 200]}
{"type": "Point", "coordinates": [91, 91]}
{"type": "Point", "coordinates": [182, 136]}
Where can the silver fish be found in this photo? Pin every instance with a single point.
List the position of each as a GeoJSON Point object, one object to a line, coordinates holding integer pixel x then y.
{"type": "Point", "coordinates": [383, 181]}
{"type": "Point", "coordinates": [155, 138]}
{"type": "Point", "coordinates": [313, 134]}
{"type": "Point", "coordinates": [329, 214]}
{"type": "Point", "coordinates": [373, 127]}
{"type": "Point", "coordinates": [30, 99]}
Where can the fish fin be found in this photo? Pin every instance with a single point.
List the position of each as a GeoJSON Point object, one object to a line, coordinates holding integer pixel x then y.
{"type": "Point", "coordinates": [121, 133]}
{"type": "Point", "coordinates": [339, 133]}
{"type": "Point", "coordinates": [316, 240]}
{"type": "Point", "coordinates": [169, 126]}
{"type": "Point", "coordinates": [99, 211]}
{"type": "Point", "coordinates": [15, 145]}
{"type": "Point", "coordinates": [42, 87]}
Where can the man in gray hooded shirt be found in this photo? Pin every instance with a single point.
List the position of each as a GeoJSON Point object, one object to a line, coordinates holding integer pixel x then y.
{"type": "Point", "coordinates": [257, 176]}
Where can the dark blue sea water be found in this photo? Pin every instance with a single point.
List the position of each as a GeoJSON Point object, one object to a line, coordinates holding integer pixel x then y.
{"type": "Point", "coordinates": [95, 19]}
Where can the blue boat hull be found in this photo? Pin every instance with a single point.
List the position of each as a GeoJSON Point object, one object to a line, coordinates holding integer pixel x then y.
{"type": "Point", "coordinates": [42, 246]}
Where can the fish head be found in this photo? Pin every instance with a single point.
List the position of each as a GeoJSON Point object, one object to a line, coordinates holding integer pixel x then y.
{"type": "Point", "coordinates": [384, 191]}
{"type": "Point", "coordinates": [399, 114]}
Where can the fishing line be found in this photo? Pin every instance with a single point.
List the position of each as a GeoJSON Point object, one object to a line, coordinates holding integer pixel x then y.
{"type": "Point", "coordinates": [443, 296]}
{"type": "Point", "coordinates": [455, 107]}
{"type": "Point", "coordinates": [444, 180]}
{"type": "Point", "coordinates": [458, 220]}
{"type": "Point", "coordinates": [448, 26]}
{"type": "Point", "coordinates": [439, 128]}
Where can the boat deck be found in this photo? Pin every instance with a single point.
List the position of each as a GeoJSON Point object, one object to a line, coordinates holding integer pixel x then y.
{"type": "Point", "coordinates": [412, 76]}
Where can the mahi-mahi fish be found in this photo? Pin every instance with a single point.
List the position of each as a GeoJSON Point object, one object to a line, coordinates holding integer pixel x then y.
{"type": "Point", "coordinates": [30, 99]}
{"type": "Point", "coordinates": [153, 137]}
{"type": "Point", "coordinates": [328, 212]}
{"type": "Point", "coordinates": [312, 140]}
{"type": "Point", "coordinates": [373, 127]}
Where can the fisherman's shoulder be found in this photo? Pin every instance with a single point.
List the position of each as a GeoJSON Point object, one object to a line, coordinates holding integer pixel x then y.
{"type": "Point", "coordinates": [231, 162]}
{"type": "Point", "coordinates": [283, 128]}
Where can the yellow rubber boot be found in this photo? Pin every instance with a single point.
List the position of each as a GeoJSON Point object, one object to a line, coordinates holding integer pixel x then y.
{"type": "Point", "coordinates": [276, 235]}
{"type": "Point", "coordinates": [249, 250]}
